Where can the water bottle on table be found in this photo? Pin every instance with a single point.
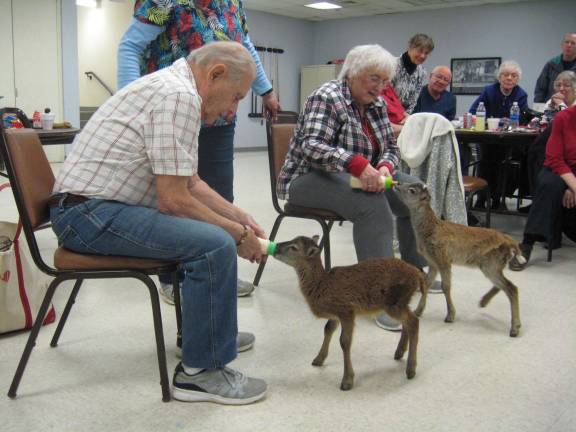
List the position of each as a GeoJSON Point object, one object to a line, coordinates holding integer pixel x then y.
{"type": "Point", "coordinates": [514, 115]}
{"type": "Point", "coordinates": [480, 117]}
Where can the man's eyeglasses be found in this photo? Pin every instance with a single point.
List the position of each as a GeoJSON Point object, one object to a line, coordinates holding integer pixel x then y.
{"type": "Point", "coordinates": [442, 78]}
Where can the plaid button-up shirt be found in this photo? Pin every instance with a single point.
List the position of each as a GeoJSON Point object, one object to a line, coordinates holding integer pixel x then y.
{"type": "Point", "coordinates": [329, 134]}
{"type": "Point", "coordinates": [148, 128]}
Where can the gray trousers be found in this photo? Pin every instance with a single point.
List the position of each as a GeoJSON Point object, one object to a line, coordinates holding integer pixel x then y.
{"type": "Point", "coordinates": [370, 213]}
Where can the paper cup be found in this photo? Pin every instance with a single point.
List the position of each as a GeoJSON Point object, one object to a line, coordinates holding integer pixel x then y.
{"type": "Point", "coordinates": [493, 123]}
{"type": "Point", "coordinates": [48, 121]}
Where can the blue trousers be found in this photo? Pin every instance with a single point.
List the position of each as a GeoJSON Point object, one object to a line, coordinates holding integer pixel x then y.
{"type": "Point", "coordinates": [207, 255]}
{"type": "Point", "coordinates": [216, 162]}
{"type": "Point", "coordinates": [371, 214]}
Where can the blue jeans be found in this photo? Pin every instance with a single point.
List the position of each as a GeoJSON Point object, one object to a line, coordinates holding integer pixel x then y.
{"type": "Point", "coordinates": [206, 253]}
{"type": "Point", "coordinates": [215, 163]}
{"type": "Point", "coordinates": [216, 159]}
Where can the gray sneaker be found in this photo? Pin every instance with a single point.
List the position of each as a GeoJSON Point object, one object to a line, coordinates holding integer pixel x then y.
{"type": "Point", "coordinates": [245, 288]}
{"type": "Point", "coordinates": [435, 288]}
{"type": "Point", "coordinates": [166, 292]}
{"type": "Point", "coordinates": [387, 323]}
{"type": "Point", "coordinates": [244, 342]}
{"type": "Point", "coordinates": [223, 385]}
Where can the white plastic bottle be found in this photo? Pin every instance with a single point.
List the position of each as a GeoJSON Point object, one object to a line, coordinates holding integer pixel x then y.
{"type": "Point", "coordinates": [386, 181]}
{"type": "Point", "coordinates": [267, 247]}
{"type": "Point", "coordinates": [481, 117]}
{"type": "Point", "coordinates": [515, 115]}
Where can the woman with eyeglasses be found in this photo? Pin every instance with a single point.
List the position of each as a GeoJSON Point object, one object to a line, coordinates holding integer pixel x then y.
{"type": "Point", "coordinates": [344, 131]}
{"type": "Point", "coordinates": [498, 99]}
{"type": "Point", "coordinates": [564, 92]}
{"type": "Point", "coordinates": [555, 188]}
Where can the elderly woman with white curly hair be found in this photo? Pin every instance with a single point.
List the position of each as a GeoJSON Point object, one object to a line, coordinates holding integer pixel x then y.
{"type": "Point", "coordinates": [344, 131]}
{"type": "Point", "coordinates": [498, 99]}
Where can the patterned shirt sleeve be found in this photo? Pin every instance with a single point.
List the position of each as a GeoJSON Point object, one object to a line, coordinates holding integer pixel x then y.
{"type": "Point", "coordinates": [155, 12]}
{"type": "Point", "coordinates": [171, 137]}
{"type": "Point", "coordinates": [319, 133]}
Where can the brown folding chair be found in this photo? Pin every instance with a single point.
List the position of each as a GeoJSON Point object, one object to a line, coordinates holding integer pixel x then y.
{"type": "Point", "coordinates": [472, 186]}
{"type": "Point", "coordinates": [32, 180]}
{"type": "Point", "coordinates": [278, 133]}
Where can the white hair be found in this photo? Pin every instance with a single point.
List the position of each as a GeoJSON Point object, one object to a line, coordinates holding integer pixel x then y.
{"type": "Point", "coordinates": [362, 57]}
{"type": "Point", "coordinates": [510, 64]}
{"type": "Point", "coordinates": [232, 54]}
{"type": "Point", "coordinates": [567, 75]}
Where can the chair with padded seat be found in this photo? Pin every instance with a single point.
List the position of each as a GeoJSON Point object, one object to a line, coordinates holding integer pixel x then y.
{"type": "Point", "coordinates": [32, 180]}
{"type": "Point", "coordinates": [472, 186]}
{"type": "Point", "coordinates": [279, 133]}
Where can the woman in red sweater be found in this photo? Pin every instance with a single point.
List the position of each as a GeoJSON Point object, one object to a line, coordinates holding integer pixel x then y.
{"type": "Point", "coordinates": [555, 187]}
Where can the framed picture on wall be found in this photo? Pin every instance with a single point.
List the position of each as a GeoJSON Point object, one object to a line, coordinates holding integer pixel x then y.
{"type": "Point", "coordinates": [471, 75]}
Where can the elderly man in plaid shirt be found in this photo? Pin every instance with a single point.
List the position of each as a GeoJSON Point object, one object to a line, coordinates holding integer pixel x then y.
{"type": "Point", "coordinates": [344, 130]}
{"type": "Point", "coordinates": [130, 187]}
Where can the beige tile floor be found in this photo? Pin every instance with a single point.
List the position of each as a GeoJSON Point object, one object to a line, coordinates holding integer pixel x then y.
{"type": "Point", "coordinates": [471, 376]}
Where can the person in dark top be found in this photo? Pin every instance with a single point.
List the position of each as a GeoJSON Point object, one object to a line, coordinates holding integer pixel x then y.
{"type": "Point", "coordinates": [435, 97]}
{"type": "Point", "coordinates": [566, 61]}
{"type": "Point", "coordinates": [498, 99]}
{"type": "Point", "coordinates": [410, 75]}
{"type": "Point", "coordinates": [555, 187]}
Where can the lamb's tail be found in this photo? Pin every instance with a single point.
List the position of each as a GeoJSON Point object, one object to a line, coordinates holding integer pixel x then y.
{"type": "Point", "coordinates": [516, 253]}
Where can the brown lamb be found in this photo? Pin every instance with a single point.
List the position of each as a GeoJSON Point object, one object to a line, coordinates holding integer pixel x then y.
{"type": "Point", "coordinates": [444, 243]}
{"type": "Point", "coordinates": [375, 285]}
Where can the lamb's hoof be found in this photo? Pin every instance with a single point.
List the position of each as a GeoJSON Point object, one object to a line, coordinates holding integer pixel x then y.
{"type": "Point", "coordinates": [345, 386]}
{"type": "Point", "coordinates": [398, 355]}
{"type": "Point", "coordinates": [514, 332]}
{"type": "Point", "coordinates": [410, 374]}
{"type": "Point", "coordinates": [317, 362]}
{"type": "Point", "coordinates": [449, 319]}
{"type": "Point", "coordinates": [483, 302]}
{"type": "Point", "coordinates": [418, 312]}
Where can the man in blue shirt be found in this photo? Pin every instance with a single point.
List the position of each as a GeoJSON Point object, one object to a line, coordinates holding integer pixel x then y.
{"type": "Point", "coordinates": [434, 97]}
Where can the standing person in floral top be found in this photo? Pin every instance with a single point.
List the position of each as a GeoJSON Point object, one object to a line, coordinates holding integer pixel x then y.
{"type": "Point", "coordinates": [344, 131]}
{"type": "Point", "coordinates": [163, 31]}
{"type": "Point", "coordinates": [410, 76]}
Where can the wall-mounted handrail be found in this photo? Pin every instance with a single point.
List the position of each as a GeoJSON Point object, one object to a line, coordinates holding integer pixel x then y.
{"type": "Point", "coordinates": [91, 75]}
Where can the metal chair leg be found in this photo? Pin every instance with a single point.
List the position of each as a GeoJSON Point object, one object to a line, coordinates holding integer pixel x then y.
{"type": "Point", "coordinates": [177, 300]}
{"type": "Point", "coordinates": [488, 206]}
{"type": "Point", "coordinates": [160, 346]}
{"type": "Point", "coordinates": [65, 313]}
{"type": "Point", "coordinates": [32, 338]}
{"type": "Point", "coordinates": [260, 270]}
{"type": "Point", "coordinates": [325, 243]}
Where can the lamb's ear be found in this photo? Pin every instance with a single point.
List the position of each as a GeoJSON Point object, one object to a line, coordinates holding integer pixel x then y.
{"type": "Point", "coordinates": [316, 238]}
{"type": "Point", "coordinates": [312, 251]}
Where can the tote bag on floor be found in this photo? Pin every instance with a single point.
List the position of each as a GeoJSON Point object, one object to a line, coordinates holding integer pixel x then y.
{"type": "Point", "coordinates": [22, 285]}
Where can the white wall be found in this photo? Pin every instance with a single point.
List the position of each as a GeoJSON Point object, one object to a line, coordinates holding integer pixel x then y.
{"type": "Point", "coordinates": [99, 32]}
{"type": "Point", "coordinates": [69, 31]}
{"type": "Point", "coordinates": [529, 33]}
{"type": "Point", "coordinates": [295, 37]}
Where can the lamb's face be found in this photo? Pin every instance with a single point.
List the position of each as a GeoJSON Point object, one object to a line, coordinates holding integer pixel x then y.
{"type": "Point", "coordinates": [412, 194]}
{"type": "Point", "coordinates": [298, 250]}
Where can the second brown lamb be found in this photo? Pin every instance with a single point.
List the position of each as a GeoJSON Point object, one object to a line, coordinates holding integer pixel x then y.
{"type": "Point", "coordinates": [444, 243]}
{"type": "Point", "coordinates": [369, 287]}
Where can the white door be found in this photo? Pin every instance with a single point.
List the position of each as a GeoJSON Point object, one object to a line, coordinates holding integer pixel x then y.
{"type": "Point", "coordinates": [7, 67]}
{"type": "Point", "coordinates": [37, 60]}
